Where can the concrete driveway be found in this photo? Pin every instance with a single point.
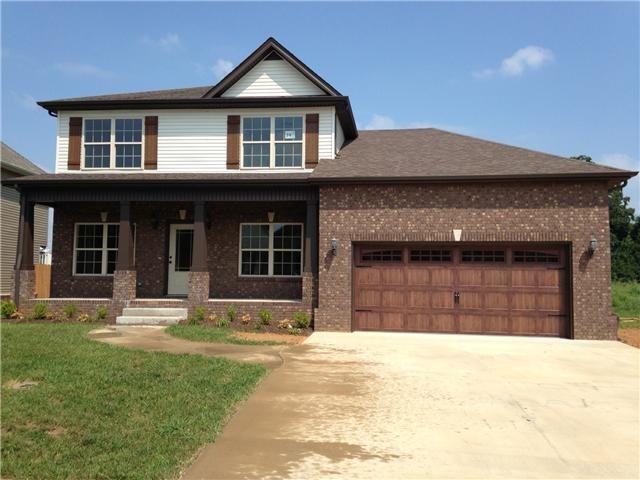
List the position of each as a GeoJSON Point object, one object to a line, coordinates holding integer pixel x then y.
{"type": "Point", "coordinates": [399, 406]}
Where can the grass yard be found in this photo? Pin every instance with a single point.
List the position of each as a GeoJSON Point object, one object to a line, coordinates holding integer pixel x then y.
{"type": "Point", "coordinates": [99, 411]}
{"type": "Point", "coordinates": [205, 333]}
{"type": "Point", "coordinates": [626, 303]}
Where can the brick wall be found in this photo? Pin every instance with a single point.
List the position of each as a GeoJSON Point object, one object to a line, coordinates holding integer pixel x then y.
{"type": "Point", "coordinates": [560, 212]}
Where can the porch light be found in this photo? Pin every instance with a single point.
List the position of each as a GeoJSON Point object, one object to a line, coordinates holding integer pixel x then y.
{"type": "Point", "coordinates": [334, 246]}
{"type": "Point", "coordinates": [183, 213]}
{"type": "Point", "coordinates": [103, 216]}
{"type": "Point", "coordinates": [593, 244]}
{"type": "Point", "coordinates": [457, 234]}
{"type": "Point", "coordinates": [271, 216]}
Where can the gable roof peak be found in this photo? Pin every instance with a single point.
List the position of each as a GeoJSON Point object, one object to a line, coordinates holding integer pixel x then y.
{"type": "Point", "coordinates": [267, 48]}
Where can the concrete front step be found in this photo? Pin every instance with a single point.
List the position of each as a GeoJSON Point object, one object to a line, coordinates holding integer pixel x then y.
{"type": "Point", "coordinates": [147, 320]}
{"type": "Point", "coordinates": [154, 312]}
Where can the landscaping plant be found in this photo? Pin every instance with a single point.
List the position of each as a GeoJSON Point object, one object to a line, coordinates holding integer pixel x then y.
{"type": "Point", "coordinates": [8, 309]}
{"type": "Point", "coordinates": [232, 313]}
{"type": "Point", "coordinates": [198, 316]}
{"type": "Point", "coordinates": [301, 319]}
{"type": "Point", "coordinates": [245, 319]}
{"type": "Point", "coordinates": [39, 312]}
{"type": "Point", "coordinates": [70, 311]}
{"type": "Point", "coordinates": [101, 313]}
{"type": "Point", "coordinates": [265, 317]}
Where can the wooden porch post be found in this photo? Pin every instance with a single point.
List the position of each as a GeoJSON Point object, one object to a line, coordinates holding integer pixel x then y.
{"type": "Point", "coordinates": [24, 281]}
{"type": "Point", "coordinates": [125, 239]}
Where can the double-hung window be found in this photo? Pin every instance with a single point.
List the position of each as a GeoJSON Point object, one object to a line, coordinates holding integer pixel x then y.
{"type": "Point", "coordinates": [272, 142]}
{"type": "Point", "coordinates": [95, 248]}
{"type": "Point", "coordinates": [271, 249]}
{"type": "Point", "coordinates": [113, 143]}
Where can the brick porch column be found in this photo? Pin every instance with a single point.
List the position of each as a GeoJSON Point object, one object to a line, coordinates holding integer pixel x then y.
{"type": "Point", "coordinates": [124, 276]}
{"type": "Point", "coordinates": [310, 270]}
{"type": "Point", "coordinates": [199, 274]}
{"type": "Point", "coordinates": [24, 275]}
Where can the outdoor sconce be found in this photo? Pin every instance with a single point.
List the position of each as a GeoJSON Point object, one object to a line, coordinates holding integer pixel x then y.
{"type": "Point", "coordinates": [103, 216]}
{"type": "Point", "coordinates": [334, 246]}
{"type": "Point", "coordinates": [593, 244]}
{"type": "Point", "coordinates": [154, 221]}
{"type": "Point", "coordinates": [183, 213]}
{"type": "Point", "coordinates": [271, 216]}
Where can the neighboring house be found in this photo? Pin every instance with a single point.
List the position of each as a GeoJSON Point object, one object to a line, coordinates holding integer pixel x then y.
{"type": "Point", "coordinates": [14, 165]}
{"type": "Point", "coordinates": [260, 192]}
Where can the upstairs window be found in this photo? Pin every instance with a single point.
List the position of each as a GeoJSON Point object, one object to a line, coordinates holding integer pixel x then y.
{"type": "Point", "coordinates": [113, 143]}
{"type": "Point", "coordinates": [272, 142]}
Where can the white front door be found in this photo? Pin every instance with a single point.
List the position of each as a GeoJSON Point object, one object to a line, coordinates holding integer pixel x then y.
{"type": "Point", "coordinates": [180, 253]}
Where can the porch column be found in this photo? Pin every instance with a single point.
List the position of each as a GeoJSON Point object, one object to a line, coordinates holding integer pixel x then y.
{"type": "Point", "coordinates": [24, 275]}
{"type": "Point", "coordinates": [199, 274]}
{"type": "Point", "coordinates": [310, 270]}
{"type": "Point", "coordinates": [124, 276]}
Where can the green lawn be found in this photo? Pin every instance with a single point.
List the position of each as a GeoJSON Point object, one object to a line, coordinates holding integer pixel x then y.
{"type": "Point", "coordinates": [205, 333]}
{"type": "Point", "coordinates": [100, 411]}
{"type": "Point", "coordinates": [626, 303]}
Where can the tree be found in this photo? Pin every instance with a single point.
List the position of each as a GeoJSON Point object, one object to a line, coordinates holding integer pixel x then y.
{"type": "Point", "coordinates": [624, 229]}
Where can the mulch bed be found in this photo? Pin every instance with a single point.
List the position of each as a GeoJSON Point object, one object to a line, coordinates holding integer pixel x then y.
{"type": "Point", "coordinates": [630, 336]}
{"type": "Point", "coordinates": [270, 337]}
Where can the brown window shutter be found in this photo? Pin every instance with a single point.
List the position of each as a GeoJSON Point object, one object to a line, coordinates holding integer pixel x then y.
{"type": "Point", "coordinates": [311, 140]}
{"type": "Point", "coordinates": [150, 143]}
{"type": "Point", "coordinates": [75, 143]}
{"type": "Point", "coordinates": [233, 142]}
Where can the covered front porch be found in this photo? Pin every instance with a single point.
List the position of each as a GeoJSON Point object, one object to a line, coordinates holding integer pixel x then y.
{"type": "Point", "coordinates": [252, 247]}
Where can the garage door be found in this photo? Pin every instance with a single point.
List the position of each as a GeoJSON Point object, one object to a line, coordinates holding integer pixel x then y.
{"type": "Point", "coordinates": [494, 289]}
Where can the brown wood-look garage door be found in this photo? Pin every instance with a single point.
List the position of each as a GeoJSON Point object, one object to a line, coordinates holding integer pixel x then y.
{"type": "Point", "coordinates": [489, 288]}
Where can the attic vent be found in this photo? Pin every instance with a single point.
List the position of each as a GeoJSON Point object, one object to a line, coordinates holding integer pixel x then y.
{"type": "Point", "coordinates": [273, 56]}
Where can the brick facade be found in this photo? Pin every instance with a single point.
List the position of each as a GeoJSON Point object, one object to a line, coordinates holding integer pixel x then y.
{"type": "Point", "coordinates": [541, 212]}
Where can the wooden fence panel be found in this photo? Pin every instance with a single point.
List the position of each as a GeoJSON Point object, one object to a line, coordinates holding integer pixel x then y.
{"type": "Point", "coordinates": [43, 280]}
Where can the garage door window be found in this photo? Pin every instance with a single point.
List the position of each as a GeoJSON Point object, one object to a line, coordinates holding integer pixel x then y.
{"type": "Point", "coordinates": [382, 256]}
{"type": "Point", "coordinates": [527, 256]}
{"type": "Point", "coordinates": [419, 256]}
{"type": "Point", "coordinates": [483, 256]}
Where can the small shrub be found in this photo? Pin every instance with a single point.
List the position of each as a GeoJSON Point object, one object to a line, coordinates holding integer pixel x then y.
{"type": "Point", "coordinates": [284, 323]}
{"type": "Point", "coordinates": [70, 311]}
{"type": "Point", "coordinates": [245, 319]}
{"type": "Point", "coordinates": [198, 316]}
{"type": "Point", "coordinates": [232, 313]}
{"type": "Point", "coordinates": [101, 312]}
{"type": "Point", "coordinates": [39, 311]}
{"type": "Point", "coordinates": [84, 318]}
{"type": "Point", "coordinates": [7, 309]}
{"type": "Point", "coordinates": [265, 317]}
{"type": "Point", "coordinates": [294, 331]}
{"type": "Point", "coordinates": [258, 327]}
{"type": "Point", "coordinates": [213, 318]}
{"type": "Point", "coordinates": [223, 322]}
{"type": "Point", "coordinates": [301, 319]}
{"type": "Point", "coordinates": [17, 316]}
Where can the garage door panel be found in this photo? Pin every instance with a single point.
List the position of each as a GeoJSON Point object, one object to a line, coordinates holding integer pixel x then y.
{"type": "Point", "coordinates": [393, 299]}
{"type": "Point", "coordinates": [391, 320]}
{"type": "Point", "coordinates": [418, 322]}
{"type": "Point", "coordinates": [368, 298]}
{"type": "Point", "coordinates": [469, 323]}
{"type": "Point", "coordinates": [493, 289]}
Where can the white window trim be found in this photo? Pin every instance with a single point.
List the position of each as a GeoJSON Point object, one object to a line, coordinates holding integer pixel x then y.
{"type": "Point", "coordinates": [271, 250]}
{"type": "Point", "coordinates": [272, 141]}
{"type": "Point", "coordinates": [112, 143]}
{"type": "Point", "coordinates": [105, 250]}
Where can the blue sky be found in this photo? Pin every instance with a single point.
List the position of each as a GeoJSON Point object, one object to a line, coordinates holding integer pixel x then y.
{"type": "Point", "coordinates": [560, 78]}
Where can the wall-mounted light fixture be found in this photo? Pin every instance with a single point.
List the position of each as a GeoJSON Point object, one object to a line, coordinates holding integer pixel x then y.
{"type": "Point", "coordinates": [593, 245]}
{"type": "Point", "coordinates": [183, 213]}
{"type": "Point", "coordinates": [103, 216]}
{"type": "Point", "coordinates": [271, 216]}
{"type": "Point", "coordinates": [334, 246]}
{"type": "Point", "coordinates": [457, 234]}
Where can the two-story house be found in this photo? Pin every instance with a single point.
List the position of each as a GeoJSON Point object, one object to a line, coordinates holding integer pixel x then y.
{"type": "Point", "coordinates": [261, 191]}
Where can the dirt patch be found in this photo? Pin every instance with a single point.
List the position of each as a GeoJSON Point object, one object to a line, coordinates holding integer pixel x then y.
{"type": "Point", "coordinates": [20, 384]}
{"type": "Point", "coordinates": [270, 337]}
{"type": "Point", "coordinates": [56, 431]}
{"type": "Point", "coordinates": [630, 336]}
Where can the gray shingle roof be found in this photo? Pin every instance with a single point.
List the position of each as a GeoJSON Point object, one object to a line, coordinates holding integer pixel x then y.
{"type": "Point", "coordinates": [12, 160]}
{"type": "Point", "coordinates": [171, 94]}
{"type": "Point", "coordinates": [432, 154]}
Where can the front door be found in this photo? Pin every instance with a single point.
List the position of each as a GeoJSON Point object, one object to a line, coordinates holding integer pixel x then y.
{"type": "Point", "coordinates": [180, 253]}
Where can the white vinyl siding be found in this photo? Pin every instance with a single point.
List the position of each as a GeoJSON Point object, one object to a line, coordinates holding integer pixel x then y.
{"type": "Point", "coordinates": [339, 136]}
{"type": "Point", "coordinates": [273, 78]}
{"type": "Point", "coordinates": [195, 140]}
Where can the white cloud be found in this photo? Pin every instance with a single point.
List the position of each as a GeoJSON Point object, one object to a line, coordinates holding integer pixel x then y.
{"type": "Point", "coordinates": [383, 122]}
{"type": "Point", "coordinates": [222, 67]}
{"type": "Point", "coordinates": [169, 43]}
{"type": "Point", "coordinates": [25, 101]}
{"type": "Point", "coordinates": [74, 69]}
{"type": "Point", "coordinates": [528, 58]}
